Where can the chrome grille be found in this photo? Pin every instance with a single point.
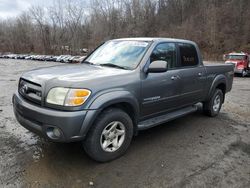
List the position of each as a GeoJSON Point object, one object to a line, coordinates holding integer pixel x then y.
{"type": "Point", "coordinates": [30, 91]}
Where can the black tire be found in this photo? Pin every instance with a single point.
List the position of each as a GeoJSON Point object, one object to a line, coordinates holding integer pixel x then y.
{"type": "Point", "coordinates": [208, 106]}
{"type": "Point", "coordinates": [244, 73]}
{"type": "Point", "coordinates": [92, 143]}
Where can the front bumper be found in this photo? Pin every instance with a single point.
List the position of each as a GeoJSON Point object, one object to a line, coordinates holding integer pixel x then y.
{"type": "Point", "coordinates": [41, 120]}
{"type": "Point", "coordinates": [238, 71]}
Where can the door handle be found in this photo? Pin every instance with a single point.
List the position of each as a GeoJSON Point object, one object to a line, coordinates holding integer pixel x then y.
{"type": "Point", "coordinates": [175, 77]}
{"type": "Point", "coordinates": [199, 74]}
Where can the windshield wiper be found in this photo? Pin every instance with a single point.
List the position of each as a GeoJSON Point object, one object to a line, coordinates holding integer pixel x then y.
{"type": "Point", "coordinates": [87, 62]}
{"type": "Point", "coordinates": [113, 65]}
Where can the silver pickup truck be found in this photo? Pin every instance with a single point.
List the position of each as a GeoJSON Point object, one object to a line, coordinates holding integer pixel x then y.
{"type": "Point", "coordinates": [122, 87]}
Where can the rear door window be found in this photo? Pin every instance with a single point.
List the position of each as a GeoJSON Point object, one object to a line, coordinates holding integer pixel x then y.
{"type": "Point", "coordinates": [188, 55]}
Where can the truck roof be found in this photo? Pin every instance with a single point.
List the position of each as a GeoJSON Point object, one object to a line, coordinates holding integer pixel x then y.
{"type": "Point", "coordinates": [151, 39]}
{"type": "Point", "coordinates": [234, 53]}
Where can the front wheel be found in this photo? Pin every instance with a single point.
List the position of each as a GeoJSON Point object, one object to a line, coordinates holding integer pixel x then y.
{"type": "Point", "coordinates": [110, 135]}
{"type": "Point", "coordinates": [213, 105]}
{"type": "Point", "coordinates": [244, 73]}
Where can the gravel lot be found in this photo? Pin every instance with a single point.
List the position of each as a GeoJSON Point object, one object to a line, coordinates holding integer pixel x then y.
{"type": "Point", "coordinates": [194, 151]}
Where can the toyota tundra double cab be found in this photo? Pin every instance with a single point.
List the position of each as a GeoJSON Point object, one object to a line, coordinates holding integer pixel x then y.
{"type": "Point", "coordinates": [122, 87]}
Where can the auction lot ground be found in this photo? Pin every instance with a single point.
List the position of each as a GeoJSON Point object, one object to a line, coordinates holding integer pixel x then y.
{"type": "Point", "coordinates": [194, 151]}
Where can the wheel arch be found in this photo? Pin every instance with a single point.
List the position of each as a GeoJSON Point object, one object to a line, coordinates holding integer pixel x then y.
{"type": "Point", "coordinates": [220, 82]}
{"type": "Point", "coordinates": [118, 99]}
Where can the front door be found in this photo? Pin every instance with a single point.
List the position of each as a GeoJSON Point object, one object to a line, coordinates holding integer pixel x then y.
{"type": "Point", "coordinates": [160, 91]}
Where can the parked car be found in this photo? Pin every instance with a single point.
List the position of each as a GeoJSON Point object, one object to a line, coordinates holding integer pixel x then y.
{"type": "Point", "coordinates": [77, 59]}
{"type": "Point", "coordinates": [29, 57]}
{"type": "Point", "coordinates": [59, 58]}
{"type": "Point", "coordinates": [6, 56]}
{"type": "Point", "coordinates": [124, 86]}
{"type": "Point", "coordinates": [65, 59]}
{"type": "Point", "coordinates": [41, 58]}
{"type": "Point", "coordinates": [240, 61]}
{"type": "Point", "coordinates": [71, 58]}
{"type": "Point", "coordinates": [54, 58]}
{"type": "Point", "coordinates": [16, 56]}
{"type": "Point", "coordinates": [34, 57]}
{"type": "Point", "coordinates": [48, 58]}
{"type": "Point", "coordinates": [11, 56]}
{"type": "Point", "coordinates": [22, 56]}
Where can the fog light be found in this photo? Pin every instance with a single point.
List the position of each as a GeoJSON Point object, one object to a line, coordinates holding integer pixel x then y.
{"type": "Point", "coordinates": [54, 133]}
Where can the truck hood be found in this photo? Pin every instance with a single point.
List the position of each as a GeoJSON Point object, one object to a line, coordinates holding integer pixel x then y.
{"type": "Point", "coordinates": [234, 61]}
{"type": "Point", "coordinates": [71, 73]}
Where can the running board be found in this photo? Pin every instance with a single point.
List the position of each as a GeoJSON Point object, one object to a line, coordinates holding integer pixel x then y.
{"type": "Point", "coordinates": [166, 117]}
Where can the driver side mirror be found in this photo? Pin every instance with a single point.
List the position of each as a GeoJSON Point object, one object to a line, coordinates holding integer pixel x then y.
{"type": "Point", "coordinates": [158, 66]}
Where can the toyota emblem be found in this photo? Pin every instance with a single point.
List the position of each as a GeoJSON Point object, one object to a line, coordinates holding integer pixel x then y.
{"type": "Point", "coordinates": [25, 88]}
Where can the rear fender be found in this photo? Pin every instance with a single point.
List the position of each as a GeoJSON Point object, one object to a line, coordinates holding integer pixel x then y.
{"type": "Point", "coordinates": [220, 79]}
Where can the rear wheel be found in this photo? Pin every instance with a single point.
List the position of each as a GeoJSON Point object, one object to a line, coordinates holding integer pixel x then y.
{"type": "Point", "coordinates": [213, 105]}
{"type": "Point", "coordinates": [110, 135]}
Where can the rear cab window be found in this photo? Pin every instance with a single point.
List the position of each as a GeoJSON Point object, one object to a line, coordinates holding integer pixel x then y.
{"type": "Point", "coordinates": [188, 55]}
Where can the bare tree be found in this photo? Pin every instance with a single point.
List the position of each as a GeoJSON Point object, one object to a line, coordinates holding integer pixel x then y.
{"type": "Point", "coordinates": [68, 26]}
{"type": "Point", "coordinates": [43, 28]}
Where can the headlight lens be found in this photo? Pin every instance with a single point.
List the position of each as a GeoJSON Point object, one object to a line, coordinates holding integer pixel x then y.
{"type": "Point", "coordinates": [57, 96]}
{"type": "Point", "coordinates": [67, 97]}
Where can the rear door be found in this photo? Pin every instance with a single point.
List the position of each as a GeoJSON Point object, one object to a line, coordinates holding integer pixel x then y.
{"type": "Point", "coordinates": [192, 74]}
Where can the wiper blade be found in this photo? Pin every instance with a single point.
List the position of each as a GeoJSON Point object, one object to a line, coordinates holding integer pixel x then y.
{"type": "Point", "coordinates": [87, 62]}
{"type": "Point", "coordinates": [113, 65]}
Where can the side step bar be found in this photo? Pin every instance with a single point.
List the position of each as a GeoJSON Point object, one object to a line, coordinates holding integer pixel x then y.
{"type": "Point", "coordinates": [166, 117]}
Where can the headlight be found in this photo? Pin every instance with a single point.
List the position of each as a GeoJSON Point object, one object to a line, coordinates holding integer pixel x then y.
{"type": "Point", "coordinates": [67, 97]}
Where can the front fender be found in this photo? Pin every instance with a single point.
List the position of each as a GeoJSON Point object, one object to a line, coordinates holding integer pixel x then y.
{"type": "Point", "coordinates": [114, 97]}
{"type": "Point", "coordinates": [105, 100]}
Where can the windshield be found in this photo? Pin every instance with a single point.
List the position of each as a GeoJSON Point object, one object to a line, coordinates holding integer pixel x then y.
{"type": "Point", "coordinates": [236, 57]}
{"type": "Point", "coordinates": [119, 54]}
